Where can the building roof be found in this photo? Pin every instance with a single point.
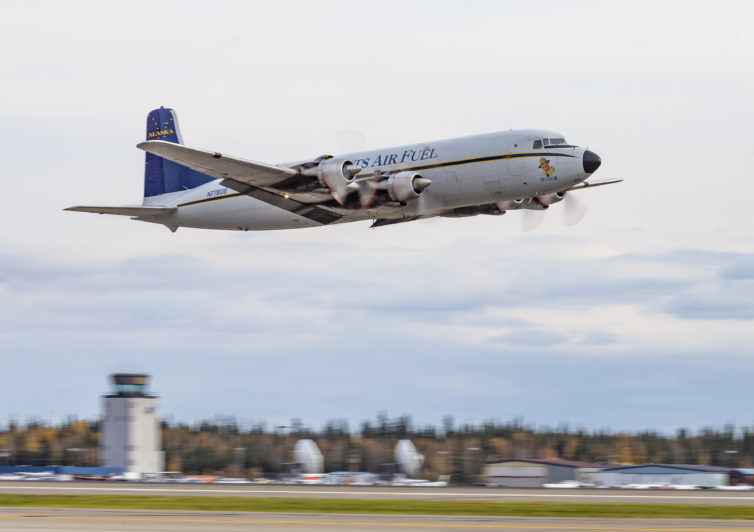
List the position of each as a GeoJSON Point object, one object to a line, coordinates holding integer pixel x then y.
{"type": "Point", "coordinates": [661, 468]}
{"type": "Point", "coordinates": [554, 462]}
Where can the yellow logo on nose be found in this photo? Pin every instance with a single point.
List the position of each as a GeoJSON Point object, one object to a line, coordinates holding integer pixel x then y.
{"type": "Point", "coordinates": [547, 170]}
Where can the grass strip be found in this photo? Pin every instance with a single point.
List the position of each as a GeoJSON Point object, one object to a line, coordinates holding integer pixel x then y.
{"type": "Point", "coordinates": [359, 506]}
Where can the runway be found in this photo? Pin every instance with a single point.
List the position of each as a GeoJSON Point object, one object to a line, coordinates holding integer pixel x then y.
{"type": "Point", "coordinates": [56, 520]}
{"type": "Point", "coordinates": [738, 498]}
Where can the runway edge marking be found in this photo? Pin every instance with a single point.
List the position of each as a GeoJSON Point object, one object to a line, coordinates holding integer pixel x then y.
{"type": "Point", "coordinates": [336, 523]}
{"type": "Point", "coordinates": [381, 493]}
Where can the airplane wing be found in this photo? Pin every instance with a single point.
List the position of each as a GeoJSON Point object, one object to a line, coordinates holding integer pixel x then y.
{"type": "Point", "coordinates": [592, 184]}
{"type": "Point", "coordinates": [218, 165]}
{"type": "Point", "coordinates": [253, 179]}
{"type": "Point", "coordinates": [126, 210]}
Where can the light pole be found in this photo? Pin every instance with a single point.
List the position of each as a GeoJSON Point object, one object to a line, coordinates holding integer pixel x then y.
{"type": "Point", "coordinates": [469, 458]}
{"type": "Point", "coordinates": [286, 446]}
{"type": "Point", "coordinates": [444, 467]}
{"type": "Point", "coordinates": [732, 456]}
{"type": "Point", "coordinates": [240, 453]}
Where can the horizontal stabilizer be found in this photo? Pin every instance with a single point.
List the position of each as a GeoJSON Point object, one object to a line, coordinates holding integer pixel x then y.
{"type": "Point", "coordinates": [126, 210]}
{"type": "Point", "coordinates": [592, 184]}
{"type": "Point", "coordinates": [219, 166]}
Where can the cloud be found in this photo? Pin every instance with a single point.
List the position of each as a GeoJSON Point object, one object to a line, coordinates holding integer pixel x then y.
{"type": "Point", "coordinates": [721, 303]}
{"type": "Point", "coordinates": [185, 292]}
{"type": "Point", "coordinates": [740, 270]}
{"type": "Point", "coordinates": [600, 338]}
{"type": "Point", "coordinates": [530, 338]}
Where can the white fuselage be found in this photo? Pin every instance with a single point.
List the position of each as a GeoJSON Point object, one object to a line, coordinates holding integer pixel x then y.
{"type": "Point", "coordinates": [465, 172]}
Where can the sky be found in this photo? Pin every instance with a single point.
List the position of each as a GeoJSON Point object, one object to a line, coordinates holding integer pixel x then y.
{"type": "Point", "coordinates": [639, 317]}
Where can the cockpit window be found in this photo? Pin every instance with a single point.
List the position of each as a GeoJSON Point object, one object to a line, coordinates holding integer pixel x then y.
{"type": "Point", "coordinates": [549, 143]}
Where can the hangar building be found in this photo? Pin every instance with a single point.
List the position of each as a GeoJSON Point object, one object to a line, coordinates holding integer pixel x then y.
{"type": "Point", "coordinates": [669, 474]}
{"type": "Point", "coordinates": [533, 473]}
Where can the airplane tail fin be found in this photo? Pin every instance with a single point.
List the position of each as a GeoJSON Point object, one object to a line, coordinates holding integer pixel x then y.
{"type": "Point", "coordinates": [160, 175]}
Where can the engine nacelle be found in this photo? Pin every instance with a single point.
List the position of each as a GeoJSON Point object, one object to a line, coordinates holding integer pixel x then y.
{"type": "Point", "coordinates": [510, 205]}
{"type": "Point", "coordinates": [537, 203]}
{"type": "Point", "coordinates": [549, 199]}
{"type": "Point", "coordinates": [337, 175]}
{"type": "Point", "coordinates": [406, 186]}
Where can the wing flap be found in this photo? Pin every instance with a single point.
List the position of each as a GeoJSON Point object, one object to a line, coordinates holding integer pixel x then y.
{"type": "Point", "coordinates": [382, 222]}
{"type": "Point", "coordinates": [316, 213]}
{"type": "Point", "coordinates": [125, 210]}
{"type": "Point", "coordinates": [218, 165]}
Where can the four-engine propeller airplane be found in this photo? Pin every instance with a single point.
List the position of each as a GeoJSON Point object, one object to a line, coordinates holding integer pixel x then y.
{"type": "Point", "coordinates": [482, 174]}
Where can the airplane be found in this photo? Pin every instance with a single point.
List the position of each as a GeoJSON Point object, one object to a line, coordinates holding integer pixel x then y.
{"type": "Point", "coordinates": [488, 174]}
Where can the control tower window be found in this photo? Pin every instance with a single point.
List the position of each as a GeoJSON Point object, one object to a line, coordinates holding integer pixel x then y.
{"type": "Point", "coordinates": [537, 144]}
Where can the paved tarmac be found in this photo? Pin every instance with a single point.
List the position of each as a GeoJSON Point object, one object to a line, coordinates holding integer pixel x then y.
{"type": "Point", "coordinates": [56, 520]}
{"type": "Point", "coordinates": [739, 498]}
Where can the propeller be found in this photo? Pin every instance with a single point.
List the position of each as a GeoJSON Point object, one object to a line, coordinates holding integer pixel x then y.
{"type": "Point", "coordinates": [368, 189]}
{"type": "Point", "coordinates": [531, 219]}
{"type": "Point", "coordinates": [349, 140]}
{"type": "Point", "coordinates": [426, 208]}
{"type": "Point", "coordinates": [574, 210]}
{"type": "Point", "coordinates": [422, 208]}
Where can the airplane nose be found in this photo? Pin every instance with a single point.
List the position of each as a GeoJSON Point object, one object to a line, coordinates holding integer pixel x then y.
{"type": "Point", "coordinates": [592, 161]}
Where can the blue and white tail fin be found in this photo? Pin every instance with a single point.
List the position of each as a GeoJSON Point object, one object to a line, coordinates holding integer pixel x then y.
{"type": "Point", "coordinates": [160, 175]}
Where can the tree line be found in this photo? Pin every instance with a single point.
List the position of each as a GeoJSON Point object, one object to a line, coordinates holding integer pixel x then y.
{"type": "Point", "coordinates": [223, 446]}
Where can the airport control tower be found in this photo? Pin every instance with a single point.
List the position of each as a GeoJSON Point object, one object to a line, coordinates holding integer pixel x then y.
{"type": "Point", "coordinates": [130, 427]}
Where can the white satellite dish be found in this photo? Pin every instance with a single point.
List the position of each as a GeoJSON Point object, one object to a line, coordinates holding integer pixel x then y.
{"type": "Point", "coordinates": [307, 455]}
{"type": "Point", "coordinates": [410, 460]}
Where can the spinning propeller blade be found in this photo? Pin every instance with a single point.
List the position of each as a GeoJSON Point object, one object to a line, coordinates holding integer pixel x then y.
{"type": "Point", "coordinates": [574, 210]}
